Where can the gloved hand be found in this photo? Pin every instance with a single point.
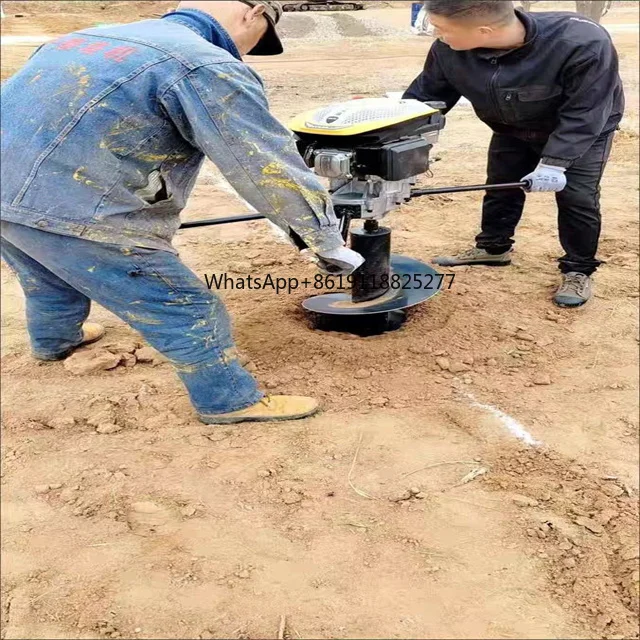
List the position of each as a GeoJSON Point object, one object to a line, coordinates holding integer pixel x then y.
{"type": "Point", "coordinates": [546, 177]}
{"type": "Point", "coordinates": [339, 262]}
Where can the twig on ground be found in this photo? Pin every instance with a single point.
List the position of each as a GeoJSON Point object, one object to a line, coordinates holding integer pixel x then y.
{"type": "Point", "coordinates": [437, 464]}
{"type": "Point", "coordinates": [355, 524]}
{"type": "Point", "coordinates": [364, 494]}
{"type": "Point", "coordinates": [283, 626]}
{"type": "Point", "coordinates": [476, 473]}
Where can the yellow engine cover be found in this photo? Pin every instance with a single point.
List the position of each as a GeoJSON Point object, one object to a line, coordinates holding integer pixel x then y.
{"type": "Point", "coordinates": [355, 117]}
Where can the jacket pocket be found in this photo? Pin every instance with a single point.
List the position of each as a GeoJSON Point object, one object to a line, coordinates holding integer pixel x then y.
{"type": "Point", "coordinates": [533, 103]}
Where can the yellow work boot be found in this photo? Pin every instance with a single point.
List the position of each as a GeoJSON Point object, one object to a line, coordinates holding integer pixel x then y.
{"type": "Point", "coordinates": [269, 409]}
{"type": "Point", "coordinates": [91, 332]}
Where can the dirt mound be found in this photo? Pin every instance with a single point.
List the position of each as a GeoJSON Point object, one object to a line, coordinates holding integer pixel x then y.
{"type": "Point", "coordinates": [584, 526]}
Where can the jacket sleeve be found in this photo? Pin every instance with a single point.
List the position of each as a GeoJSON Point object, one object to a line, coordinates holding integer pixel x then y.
{"type": "Point", "coordinates": [432, 84]}
{"type": "Point", "coordinates": [590, 82]}
{"type": "Point", "coordinates": [222, 110]}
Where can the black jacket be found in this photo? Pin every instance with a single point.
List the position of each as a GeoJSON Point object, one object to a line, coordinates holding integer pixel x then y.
{"type": "Point", "coordinates": [561, 87]}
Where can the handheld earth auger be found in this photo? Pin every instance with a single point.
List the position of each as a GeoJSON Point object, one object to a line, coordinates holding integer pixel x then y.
{"type": "Point", "coordinates": [372, 151]}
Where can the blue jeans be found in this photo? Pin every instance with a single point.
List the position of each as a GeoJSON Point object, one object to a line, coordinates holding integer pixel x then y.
{"type": "Point", "coordinates": [151, 290]}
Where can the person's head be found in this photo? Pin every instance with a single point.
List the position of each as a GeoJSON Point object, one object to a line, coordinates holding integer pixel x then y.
{"type": "Point", "coordinates": [251, 24]}
{"type": "Point", "coordinates": [471, 24]}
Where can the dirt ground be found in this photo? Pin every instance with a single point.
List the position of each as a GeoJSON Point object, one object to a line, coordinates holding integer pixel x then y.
{"type": "Point", "coordinates": [354, 523]}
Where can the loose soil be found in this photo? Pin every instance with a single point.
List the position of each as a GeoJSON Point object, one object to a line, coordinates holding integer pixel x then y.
{"type": "Point", "coordinates": [123, 516]}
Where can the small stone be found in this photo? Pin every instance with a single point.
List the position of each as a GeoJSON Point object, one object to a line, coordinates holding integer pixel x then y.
{"type": "Point", "coordinates": [612, 490]}
{"type": "Point", "coordinates": [361, 374]}
{"type": "Point", "coordinates": [565, 546]}
{"type": "Point", "coordinates": [569, 563]}
{"type": "Point", "coordinates": [541, 534]}
{"type": "Point", "coordinates": [251, 367]}
{"type": "Point", "coordinates": [42, 488]}
{"type": "Point", "coordinates": [531, 532]}
{"type": "Point", "coordinates": [606, 515]}
{"type": "Point", "coordinates": [244, 574]}
{"type": "Point", "coordinates": [146, 355]}
{"type": "Point", "coordinates": [85, 362]}
{"type": "Point", "coordinates": [544, 342]}
{"type": "Point", "coordinates": [121, 346]}
{"type": "Point", "coordinates": [62, 422]}
{"type": "Point", "coordinates": [188, 511]}
{"type": "Point", "coordinates": [591, 525]}
{"type": "Point", "coordinates": [263, 262]}
{"type": "Point", "coordinates": [443, 363]}
{"type": "Point", "coordinates": [541, 379]}
{"type": "Point", "coordinates": [107, 428]}
{"type": "Point", "coordinates": [458, 367]}
{"type": "Point", "coordinates": [263, 473]}
{"type": "Point", "coordinates": [468, 360]}
{"type": "Point", "coordinates": [414, 491]}
{"type": "Point", "coordinates": [419, 349]}
{"type": "Point", "coordinates": [103, 414]}
{"type": "Point", "coordinates": [492, 362]}
{"type": "Point", "coordinates": [55, 486]}
{"type": "Point", "coordinates": [239, 267]}
{"type": "Point", "coordinates": [602, 621]}
{"type": "Point", "coordinates": [68, 495]}
{"type": "Point", "coordinates": [128, 360]}
{"type": "Point", "coordinates": [527, 337]}
{"type": "Point", "coordinates": [292, 498]}
{"type": "Point", "coordinates": [524, 501]}
{"type": "Point", "coordinates": [630, 553]}
{"type": "Point", "coordinates": [378, 402]}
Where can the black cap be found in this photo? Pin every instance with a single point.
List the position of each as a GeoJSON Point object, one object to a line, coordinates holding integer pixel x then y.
{"type": "Point", "coordinates": [270, 44]}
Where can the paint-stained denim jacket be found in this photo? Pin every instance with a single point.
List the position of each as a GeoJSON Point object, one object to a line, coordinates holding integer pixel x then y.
{"type": "Point", "coordinates": [104, 132]}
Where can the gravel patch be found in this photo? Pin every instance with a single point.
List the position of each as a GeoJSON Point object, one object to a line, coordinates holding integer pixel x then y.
{"type": "Point", "coordinates": [331, 26]}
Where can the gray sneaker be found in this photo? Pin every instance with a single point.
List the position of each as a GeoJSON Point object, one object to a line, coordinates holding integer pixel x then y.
{"type": "Point", "coordinates": [475, 256]}
{"type": "Point", "coordinates": [574, 291]}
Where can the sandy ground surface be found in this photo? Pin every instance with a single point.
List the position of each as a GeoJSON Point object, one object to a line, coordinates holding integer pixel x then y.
{"type": "Point", "coordinates": [354, 523]}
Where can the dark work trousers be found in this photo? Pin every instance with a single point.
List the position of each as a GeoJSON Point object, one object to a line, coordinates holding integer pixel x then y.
{"type": "Point", "coordinates": [579, 220]}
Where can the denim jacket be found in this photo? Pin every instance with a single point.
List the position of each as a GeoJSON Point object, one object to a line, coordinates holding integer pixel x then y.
{"type": "Point", "coordinates": [104, 132]}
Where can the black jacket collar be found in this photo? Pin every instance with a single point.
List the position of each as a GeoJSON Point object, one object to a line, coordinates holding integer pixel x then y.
{"type": "Point", "coordinates": [531, 28]}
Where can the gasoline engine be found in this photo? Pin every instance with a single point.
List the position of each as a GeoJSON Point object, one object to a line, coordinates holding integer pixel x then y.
{"type": "Point", "coordinates": [372, 151]}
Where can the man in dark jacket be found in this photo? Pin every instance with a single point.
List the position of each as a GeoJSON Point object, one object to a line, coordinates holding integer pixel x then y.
{"type": "Point", "coordinates": [548, 86]}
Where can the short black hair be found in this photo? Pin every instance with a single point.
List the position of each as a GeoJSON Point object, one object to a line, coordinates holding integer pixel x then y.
{"type": "Point", "coordinates": [492, 10]}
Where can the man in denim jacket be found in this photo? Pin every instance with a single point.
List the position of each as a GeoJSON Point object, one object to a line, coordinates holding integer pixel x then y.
{"type": "Point", "coordinates": [103, 135]}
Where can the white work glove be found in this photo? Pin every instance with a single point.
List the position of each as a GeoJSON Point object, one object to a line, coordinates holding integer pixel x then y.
{"type": "Point", "coordinates": [339, 262]}
{"type": "Point", "coordinates": [546, 177]}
